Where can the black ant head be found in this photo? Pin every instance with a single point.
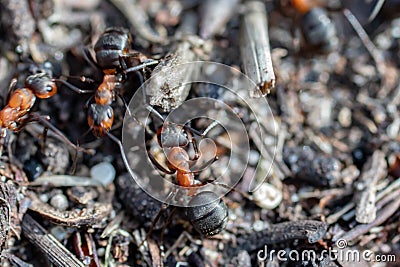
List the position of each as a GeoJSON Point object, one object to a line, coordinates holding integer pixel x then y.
{"type": "Point", "coordinates": [41, 84]}
{"type": "Point", "coordinates": [172, 135]}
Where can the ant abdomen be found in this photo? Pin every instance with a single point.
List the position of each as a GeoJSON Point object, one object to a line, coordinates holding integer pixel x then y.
{"type": "Point", "coordinates": [208, 219]}
{"type": "Point", "coordinates": [113, 43]}
{"type": "Point", "coordinates": [100, 118]}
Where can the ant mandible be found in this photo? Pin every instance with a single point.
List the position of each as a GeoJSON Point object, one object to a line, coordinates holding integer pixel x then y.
{"type": "Point", "coordinates": [15, 115]}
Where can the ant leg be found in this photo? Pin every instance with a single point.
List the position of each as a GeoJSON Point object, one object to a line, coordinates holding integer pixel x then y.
{"type": "Point", "coordinates": [88, 101]}
{"type": "Point", "coordinates": [154, 222]}
{"type": "Point", "coordinates": [155, 112]}
{"type": "Point", "coordinates": [75, 160]}
{"type": "Point", "coordinates": [9, 148]}
{"type": "Point", "coordinates": [210, 127]}
{"type": "Point", "coordinates": [159, 166]}
{"type": "Point", "coordinates": [82, 78]}
{"type": "Point", "coordinates": [45, 121]}
{"type": "Point", "coordinates": [146, 63]}
{"type": "Point", "coordinates": [205, 132]}
{"type": "Point", "coordinates": [121, 59]}
{"type": "Point", "coordinates": [11, 87]}
{"type": "Point", "coordinates": [125, 104]}
{"type": "Point", "coordinates": [141, 66]}
{"type": "Point", "coordinates": [375, 11]}
{"type": "Point", "coordinates": [89, 58]}
{"type": "Point", "coordinates": [188, 128]}
{"type": "Point", "coordinates": [167, 222]}
{"type": "Point", "coordinates": [195, 146]}
{"type": "Point", "coordinates": [205, 165]}
{"type": "Point", "coordinates": [243, 194]}
{"type": "Point", "coordinates": [164, 206]}
{"type": "Point", "coordinates": [183, 237]}
{"type": "Point", "coordinates": [73, 87]}
{"type": "Point", "coordinates": [44, 134]}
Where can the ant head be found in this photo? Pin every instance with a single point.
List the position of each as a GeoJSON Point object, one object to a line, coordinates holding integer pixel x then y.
{"type": "Point", "coordinates": [172, 135]}
{"type": "Point", "coordinates": [41, 84]}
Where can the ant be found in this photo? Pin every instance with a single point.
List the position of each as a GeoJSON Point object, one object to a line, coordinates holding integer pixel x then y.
{"type": "Point", "coordinates": [115, 59]}
{"type": "Point", "coordinates": [317, 28]}
{"type": "Point", "coordinates": [16, 114]}
{"type": "Point", "coordinates": [206, 211]}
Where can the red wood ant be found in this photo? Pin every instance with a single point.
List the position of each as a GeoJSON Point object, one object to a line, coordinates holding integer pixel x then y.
{"type": "Point", "coordinates": [114, 58]}
{"type": "Point", "coordinates": [206, 211]}
{"type": "Point", "coordinates": [15, 115]}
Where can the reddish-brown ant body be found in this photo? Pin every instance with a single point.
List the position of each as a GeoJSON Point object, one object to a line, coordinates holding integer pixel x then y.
{"type": "Point", "coordinates": [16, 114]}
{"type": "Point", "coordinates": [174, 137]}
{"type": "Point", "coordinates": [38, 85]}
{"type": "Point", "coordinates": [206, 211]}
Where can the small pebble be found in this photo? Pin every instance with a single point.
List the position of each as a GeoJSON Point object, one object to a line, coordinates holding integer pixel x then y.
{"type": "Point", "coordinates": [101, 252]}
{"type": "Point", "coordinates": [258, 226]}
{"type": "Point", "coordinates": [254, 157]}
{"type": "Point", "coordinates": [267, 196]}
{"type": "Point", "coordinates": [59, 202]}
{"type": "Point", "coordinates": [103, 172]}
{"type": "Point", "coordinates": [344, 117]}
{"type": "Point", "coordinates": [44, 198]}
{"type": "Point", "coordinates": [87, 260]}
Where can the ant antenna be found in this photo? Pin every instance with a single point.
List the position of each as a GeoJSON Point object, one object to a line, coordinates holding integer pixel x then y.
{"type": "Point", "coordinates": [46, 123]}
{"type": "Point", "coordinates": [82, 78]}
{"type": "Point", "coordinates": [141, 66]}
{"type": "Point", "coordinates": [89, 58]}
{"type": "Point", "coordinates": [243, 194]}
{"type": "Point", "coordinates": [121, 148]}
{"type": "Point", "coordinates": [155, 112]}
{"type": "Point", "coordinates": [73, 87]}
{"type": "Point", "coordinates": [210, 127]}
{"type": "Point", "coordinates": [375, 11]}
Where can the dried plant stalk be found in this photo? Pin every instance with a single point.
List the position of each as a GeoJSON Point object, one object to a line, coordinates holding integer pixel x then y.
{"type": "Point", "coordinates": [255, 48]}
